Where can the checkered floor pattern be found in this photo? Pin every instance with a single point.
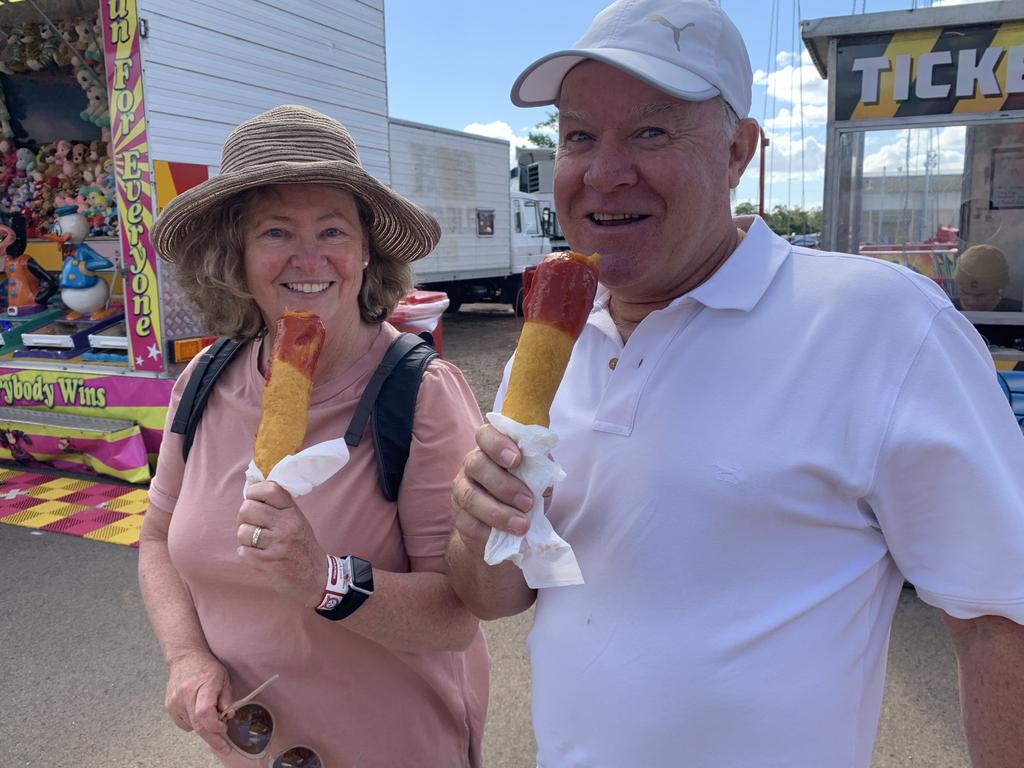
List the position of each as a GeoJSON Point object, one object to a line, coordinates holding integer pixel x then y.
{"type": "Point", "coordinates": [92, 510]}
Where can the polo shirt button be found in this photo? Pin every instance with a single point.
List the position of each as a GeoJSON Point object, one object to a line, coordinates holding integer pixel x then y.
{"type": "Point", "coordinates": [613, 362]}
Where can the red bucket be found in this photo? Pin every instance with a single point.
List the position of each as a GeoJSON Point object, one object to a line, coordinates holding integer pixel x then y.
{"type": "Point", "coordinates": [420, 311]}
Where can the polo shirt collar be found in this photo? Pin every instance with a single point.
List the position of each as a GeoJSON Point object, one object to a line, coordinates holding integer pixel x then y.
{"type": "Point", "coordinates": [745, 276]}
{"type": "Point", "coordinates": [742, 279]}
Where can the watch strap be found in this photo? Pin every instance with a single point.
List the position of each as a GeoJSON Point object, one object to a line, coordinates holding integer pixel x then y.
{"type": "Point", "coordinates": [348, 605]}
{"type": "Point", "coordinates": [342, 597]}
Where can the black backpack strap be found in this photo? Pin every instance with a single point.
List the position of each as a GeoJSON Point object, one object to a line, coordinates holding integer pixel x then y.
{"type": "Point", "coordinates": [197, 390]}
{"type": "Point", "coordinates": [389, 402]}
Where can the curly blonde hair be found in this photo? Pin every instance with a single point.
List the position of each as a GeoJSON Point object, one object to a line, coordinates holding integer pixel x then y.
{"type": "Point", "coordinates": [211, 270]}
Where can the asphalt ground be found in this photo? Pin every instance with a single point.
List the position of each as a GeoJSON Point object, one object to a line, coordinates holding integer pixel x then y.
{"type": "Point", "coordinates": [81, 679]}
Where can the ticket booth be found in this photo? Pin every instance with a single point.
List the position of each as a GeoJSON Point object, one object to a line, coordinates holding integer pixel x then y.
{"type": "Point", "coordinates": [925, 153]}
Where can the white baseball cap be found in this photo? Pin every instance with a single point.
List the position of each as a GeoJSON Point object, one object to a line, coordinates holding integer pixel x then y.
{"type": "Point", "coordinates": [687, 48]}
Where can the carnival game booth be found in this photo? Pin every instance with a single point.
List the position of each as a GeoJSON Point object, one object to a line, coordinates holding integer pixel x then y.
{"type": "Point", "coordinates": [925, 154]}
{"type": "Point", "coordinates": [93, 329]}
{"type": "Point", "coordinates": [84, 380]}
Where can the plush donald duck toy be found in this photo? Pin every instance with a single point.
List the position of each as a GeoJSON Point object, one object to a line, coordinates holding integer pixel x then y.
{"type": "Point", "coordinates": [81, 290]}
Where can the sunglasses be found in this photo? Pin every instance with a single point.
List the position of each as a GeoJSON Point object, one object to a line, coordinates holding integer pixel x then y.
{"type": "Point", "coordinates": [252, 727]}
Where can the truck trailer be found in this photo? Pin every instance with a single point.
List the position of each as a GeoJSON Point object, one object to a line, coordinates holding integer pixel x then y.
{"type": "Point", "coordinates": [490, 233]}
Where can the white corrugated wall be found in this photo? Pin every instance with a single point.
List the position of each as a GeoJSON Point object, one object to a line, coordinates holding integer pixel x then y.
{"type": "Point", "coordinates": [451, 175]}
{"type": "Point", "coordinates": [210, 64]}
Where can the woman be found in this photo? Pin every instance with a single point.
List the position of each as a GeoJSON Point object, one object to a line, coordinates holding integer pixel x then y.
{"type": "Point", "coordinates": [294, 222]}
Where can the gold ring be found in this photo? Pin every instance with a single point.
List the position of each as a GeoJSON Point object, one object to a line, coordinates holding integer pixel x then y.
{"type": "Point", "coordinates": [255, 537]}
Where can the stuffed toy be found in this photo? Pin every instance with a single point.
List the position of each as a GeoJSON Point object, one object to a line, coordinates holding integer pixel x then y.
{"type": "Point", "coordinates": [80, 41]}
{"type": "Point", "coordinates": [11, 160]}
{"type": "Point", "coordinates": [67, 189]}
{"type": "Point", "coordinates": [98, 111]}
{"type": "Point", "coordinates": [25, 162]}
{"type": "Point", "coordinates": [107, 181]}
{"type": "Point", "coordinates": [6, 129]}
{"type": "Point", "coordinates": [93, 54]}
{"type": "Point", "coordinates": [79, 152]}
{"type": "Point", "coordinates": [41, 208]}
{"type": "Point", "coordinates": [47, 166]}
{"type": "Point", "coordinates": [62, 157]}
{"type": "Point", "coordinates": [48, 45]}
{"type": "Point", "coordinates": [92, 157]}
{"type": "Point", "coordinates": [62, 52]}
{"type": "Point", "coordinates": [35, 58]}
{"type": "Point", "coordinates": [21, 191]}
{"type": "Point", "coordinates": [12, 60]}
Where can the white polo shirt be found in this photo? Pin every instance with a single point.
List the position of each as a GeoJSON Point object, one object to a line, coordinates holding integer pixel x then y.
{"type": "Point", "coordinates": [749, 480]}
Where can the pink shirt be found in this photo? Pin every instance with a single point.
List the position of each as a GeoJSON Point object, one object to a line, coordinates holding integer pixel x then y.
{"type": "Point", "coordinates": [342, 694]}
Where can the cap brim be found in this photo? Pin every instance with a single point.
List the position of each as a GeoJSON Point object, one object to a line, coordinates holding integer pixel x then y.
{"type": "Point", "coordinates": [540, 83]}
{"type": "Point", "coordinates": [401, 229]}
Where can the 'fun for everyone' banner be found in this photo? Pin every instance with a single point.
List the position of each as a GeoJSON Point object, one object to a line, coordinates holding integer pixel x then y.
{"type": "Point", "coordinates": [134, 181]}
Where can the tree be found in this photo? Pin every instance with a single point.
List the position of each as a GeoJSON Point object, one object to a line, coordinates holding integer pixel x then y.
{"type": "Point", "coordinates": [785, 220]}
{"type": "Point", "coordinates": [541, 135]}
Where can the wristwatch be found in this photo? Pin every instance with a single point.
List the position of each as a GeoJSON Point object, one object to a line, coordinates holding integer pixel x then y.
{"type": "Point", "coordinates": [349, 585]}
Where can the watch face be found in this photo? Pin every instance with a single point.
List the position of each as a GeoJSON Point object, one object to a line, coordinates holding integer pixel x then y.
{"type": "Point", "coordinates": [362, 575]}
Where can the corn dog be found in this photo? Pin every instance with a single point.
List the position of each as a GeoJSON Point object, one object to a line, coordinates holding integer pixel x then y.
{"type": "Point", "coordinates": [555, 310]}
{"type": "Point", "coordinates": [285, 407]}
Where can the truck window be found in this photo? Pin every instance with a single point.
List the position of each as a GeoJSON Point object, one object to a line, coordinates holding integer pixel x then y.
{"type": "Point", "coordinates": [484, 221]}
{"type": "Point", "coordinates": [532, 218]}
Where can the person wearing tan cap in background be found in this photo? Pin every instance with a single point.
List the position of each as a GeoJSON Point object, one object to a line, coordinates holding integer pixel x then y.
{"type": "Point", "coordinates": [235, 589]}
{"type": "Point", "coordinates": [760, 442]}
{"type": "Point", "coordinates": [981, 274]}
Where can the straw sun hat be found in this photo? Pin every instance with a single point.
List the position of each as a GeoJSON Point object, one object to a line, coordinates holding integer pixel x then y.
{"type": "Point", "coordinates": [297, 145]}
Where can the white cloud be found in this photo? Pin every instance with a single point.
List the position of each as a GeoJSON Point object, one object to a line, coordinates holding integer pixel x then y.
{"type": "Point", "coordinates": [887, 152]}
{"type": "Point", "coordinates": [499, 129]}
{"type": "Point", "coordinates": [813, 116]}
{"type": "Point", "coordinates": [936, 3]}
{"type": "Point", "coordinates": [784, 83]}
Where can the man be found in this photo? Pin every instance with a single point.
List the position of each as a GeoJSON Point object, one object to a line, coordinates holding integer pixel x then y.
{"type": "Point", "coordinates": [981, 274]}
{"type": "Point", "coordinates": [760, 442]}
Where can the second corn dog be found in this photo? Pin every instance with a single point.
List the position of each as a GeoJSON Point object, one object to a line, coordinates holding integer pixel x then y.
{"type": "Point", "coordinates": [555, 309]}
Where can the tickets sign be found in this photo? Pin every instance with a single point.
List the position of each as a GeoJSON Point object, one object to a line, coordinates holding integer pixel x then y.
{"type": "Point", "coordinates": [940, 71]}
{"type": "Point", "coordinates": [134, 181]}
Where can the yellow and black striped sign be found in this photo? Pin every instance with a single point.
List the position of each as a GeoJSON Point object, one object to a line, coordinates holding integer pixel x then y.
{"type": "Point", "coordinates": [938, 71]}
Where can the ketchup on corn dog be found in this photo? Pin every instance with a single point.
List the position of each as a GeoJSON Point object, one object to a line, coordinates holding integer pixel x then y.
{"type": "Point", "coordinates": [555, 309]}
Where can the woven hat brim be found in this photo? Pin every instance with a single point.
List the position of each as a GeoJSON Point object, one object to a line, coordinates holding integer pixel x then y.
{"type": "Point", "coordinates": [401, 229]}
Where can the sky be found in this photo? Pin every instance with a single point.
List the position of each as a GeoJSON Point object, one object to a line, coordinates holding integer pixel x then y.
{"type": "Point", "coordinates": [451, 63]}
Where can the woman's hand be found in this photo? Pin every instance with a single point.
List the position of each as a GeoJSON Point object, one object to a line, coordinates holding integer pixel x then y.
{"type": "Point", "coordinates": [287, 551]}
{"type": "Point", "coordinates": [198, 690]}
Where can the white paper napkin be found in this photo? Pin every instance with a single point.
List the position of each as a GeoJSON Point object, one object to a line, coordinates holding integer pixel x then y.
{"type": "Point", "coordinates": [544, 556]}
{"type": "Point", "coordinates": [301, 472]}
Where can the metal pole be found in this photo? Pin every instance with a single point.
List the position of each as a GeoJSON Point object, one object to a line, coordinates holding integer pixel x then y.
{"type": "Point", "coordinates": [760, 197]}
{"type": "Point", "coordinates": [880, 237]}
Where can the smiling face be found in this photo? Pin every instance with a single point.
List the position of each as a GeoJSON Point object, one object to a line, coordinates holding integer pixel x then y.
{"type": "Point", "coordinates": [304, 250]}
{"type": "Point", "coordinates": [643, 179]}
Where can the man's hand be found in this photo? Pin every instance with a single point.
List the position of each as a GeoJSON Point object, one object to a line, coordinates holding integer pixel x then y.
{"type": "Point", "coordinates": [198, 690]}
{"type": "Point", "coordinates": [287, 551]}
{"type": "Point", "coordinates": [485, 495]}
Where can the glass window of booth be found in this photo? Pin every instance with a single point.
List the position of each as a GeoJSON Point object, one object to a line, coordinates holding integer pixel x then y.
{"type": "Point", "coordinates": [947, 202]}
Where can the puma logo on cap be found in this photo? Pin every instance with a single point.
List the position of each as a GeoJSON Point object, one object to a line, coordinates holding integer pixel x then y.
{"type": "Point", "coordinates": [666, 23]}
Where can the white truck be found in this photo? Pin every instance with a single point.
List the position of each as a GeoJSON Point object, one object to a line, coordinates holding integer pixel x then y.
{"type": "Point", "coordinates": [533, 174]}
{"type": "Point", "coordinates": [490, 233]}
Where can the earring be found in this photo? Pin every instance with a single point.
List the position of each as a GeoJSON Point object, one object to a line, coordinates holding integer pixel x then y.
{"type": "Point", "coordinates": [366, 264]}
